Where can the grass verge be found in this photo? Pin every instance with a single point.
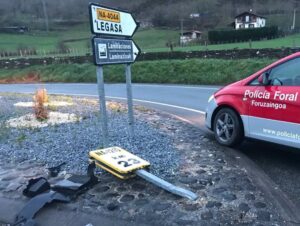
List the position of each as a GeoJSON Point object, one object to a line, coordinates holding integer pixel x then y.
{"type": "Point", "coordinates": [149, 40]}
{"type": "Point", "coordinates": [193, 71]}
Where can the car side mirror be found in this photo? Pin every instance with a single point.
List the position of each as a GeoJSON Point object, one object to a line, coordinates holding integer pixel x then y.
{"type": "Point", "coordinates": [263, 79]}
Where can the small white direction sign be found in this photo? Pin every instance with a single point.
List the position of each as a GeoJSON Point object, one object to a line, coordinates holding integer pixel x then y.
{"type": "Point", "coordinates": [108, 21]}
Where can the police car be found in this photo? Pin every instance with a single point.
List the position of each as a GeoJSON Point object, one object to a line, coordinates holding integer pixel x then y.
{"type": "Point", "coordinates": [264, 106]}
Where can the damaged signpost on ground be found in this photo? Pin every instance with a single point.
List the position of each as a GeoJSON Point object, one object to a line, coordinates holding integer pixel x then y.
{"type": "Point", "coordinates": [125, 165]}
{"type": "Point", "coordinates": [112, 44]}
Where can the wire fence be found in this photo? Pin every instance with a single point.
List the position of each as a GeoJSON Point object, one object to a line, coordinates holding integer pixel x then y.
{"type": "Point", "coordinates": [33, 53]}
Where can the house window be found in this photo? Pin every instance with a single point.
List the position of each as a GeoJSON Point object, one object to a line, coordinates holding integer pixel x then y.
{"type": "Point", "coordinates": [247, 18]}
{"type": "Point", "coordinates": [251, 25]}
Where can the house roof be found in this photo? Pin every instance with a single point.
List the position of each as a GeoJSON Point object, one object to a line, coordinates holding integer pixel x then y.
{"type": "Point", "coordinates": [249, 13]}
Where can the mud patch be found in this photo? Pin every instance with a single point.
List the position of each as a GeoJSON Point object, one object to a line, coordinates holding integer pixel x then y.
{"type": "Point", "coordinates": [31, 77]}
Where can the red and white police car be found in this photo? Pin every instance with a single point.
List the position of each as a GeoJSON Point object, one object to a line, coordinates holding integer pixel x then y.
{"type": "Point", "coordinates": [264, 106]}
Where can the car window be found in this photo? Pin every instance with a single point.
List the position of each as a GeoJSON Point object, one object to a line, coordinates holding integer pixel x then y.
{"type": "Point", "coordinates": [254, 82]}
{"type": "Point", "coordinates": [286, 74]}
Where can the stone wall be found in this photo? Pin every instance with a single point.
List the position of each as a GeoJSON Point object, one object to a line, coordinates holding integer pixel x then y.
{"type": "Point", "coordinates": [222, 54]}
{"type": "Point", "coordinates": [212, 54]}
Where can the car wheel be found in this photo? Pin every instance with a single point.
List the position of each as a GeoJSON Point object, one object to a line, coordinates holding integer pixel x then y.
{"type": "Point", "coordinates": [228, 128]}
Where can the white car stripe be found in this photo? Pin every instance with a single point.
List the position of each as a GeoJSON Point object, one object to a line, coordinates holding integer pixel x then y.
{"type": "Point", "coordinates": [286, 133]}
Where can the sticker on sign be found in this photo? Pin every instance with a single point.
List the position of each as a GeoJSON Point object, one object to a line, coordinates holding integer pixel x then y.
{"type": "Point", "coordinates": [119, 159]}
{"type": "Point", "coordinates": [108, 21]}
{"type": "Point", "coordinates": [108, 15]}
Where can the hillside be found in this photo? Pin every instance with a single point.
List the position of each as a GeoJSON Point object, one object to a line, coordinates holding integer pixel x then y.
{"type": "Point", "coordinates": [69, 29]}
{"type": "Point", "coordinates": [77, 40]}
{"type": "Point", "coordinates": [161, 13]}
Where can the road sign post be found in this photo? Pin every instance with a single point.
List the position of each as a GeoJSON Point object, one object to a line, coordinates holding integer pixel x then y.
{"type": "Point", "coordinates": [102, 103]}
{"type": "Point", "coordinates": [112, 44]}
{"type": "Point", "coordinates": [125, 165]}
{"type": "Point", "coordinates": [129, 100]}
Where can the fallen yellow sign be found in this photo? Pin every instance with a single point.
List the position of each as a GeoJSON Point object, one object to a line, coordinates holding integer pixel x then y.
{"type": "Point", "coordinates": [125, 165]}
{"type": "Point", "coordinates": [118, 161]}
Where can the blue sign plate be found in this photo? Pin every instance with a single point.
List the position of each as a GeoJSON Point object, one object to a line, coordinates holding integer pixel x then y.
{"type": "Point", "coordinates": [114, 51]}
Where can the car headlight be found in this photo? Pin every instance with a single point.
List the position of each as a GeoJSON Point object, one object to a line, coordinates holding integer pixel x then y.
{"type": "Point", "coordinates": [211, 98]}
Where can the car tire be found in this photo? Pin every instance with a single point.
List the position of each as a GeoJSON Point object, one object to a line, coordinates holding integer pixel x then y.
{"type": "Point", "coordinates": [228, 128]}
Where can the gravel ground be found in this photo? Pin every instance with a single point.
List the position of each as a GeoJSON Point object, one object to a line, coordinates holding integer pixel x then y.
{"type": "Point", "coordinates": [73, 141]}
{"type": "Point", "coordinates": [178, 152]}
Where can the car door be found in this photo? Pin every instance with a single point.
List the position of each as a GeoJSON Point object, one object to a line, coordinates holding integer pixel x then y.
{"type": "Point", "coordinates": [274, 109]}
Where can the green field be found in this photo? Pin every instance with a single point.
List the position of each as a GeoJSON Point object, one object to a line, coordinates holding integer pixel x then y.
{"type": "Point", "coordinates": [288, 41]}
{"type": "Point", "coordinates": [43, 42]}
{"type": "Point", "coordinates": [151, 40]}
{"type": "Point", "coordinates": [154, 38]}
{"type": "Point", "coordinates": [194, 71]}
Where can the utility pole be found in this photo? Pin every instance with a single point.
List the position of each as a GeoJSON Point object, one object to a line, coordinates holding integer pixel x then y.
{"type": "Point", "coordinates": [181, 32]}
{"type": "Point", "coordinates": [45, 15]}
{"type": "Point", "coordinates": [294, 16]}
{"type": "Point", "coordinates": [294, 21]}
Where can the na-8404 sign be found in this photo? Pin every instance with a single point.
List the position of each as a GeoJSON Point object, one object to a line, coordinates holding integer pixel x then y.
{"type": "Point", "coordinates": [112, 22]}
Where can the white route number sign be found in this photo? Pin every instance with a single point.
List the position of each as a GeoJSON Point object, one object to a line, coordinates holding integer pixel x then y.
{"type": "Point", "coordinates": [107, 21]}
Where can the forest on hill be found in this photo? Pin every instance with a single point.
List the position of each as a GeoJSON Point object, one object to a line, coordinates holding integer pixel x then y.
{"type": "Point", "coordinates": [159, 13]}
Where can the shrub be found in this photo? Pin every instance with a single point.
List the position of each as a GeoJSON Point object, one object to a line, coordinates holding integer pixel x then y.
{"type": "Point", "coordinates": [40, 110]}
{"type": "Point", "coordinates": [223, 36]}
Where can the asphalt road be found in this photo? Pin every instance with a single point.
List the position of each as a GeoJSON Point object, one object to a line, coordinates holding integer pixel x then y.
{"type": "Point", "coordinates": [188, 103]}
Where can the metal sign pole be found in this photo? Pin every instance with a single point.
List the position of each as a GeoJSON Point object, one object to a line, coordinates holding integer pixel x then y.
{"type": "Point", "coordinates": [166, 185]}
{"type": "Point", "coordinates": [129, 100]}
{"type": "Point", "coordinates": [113, 46]}
{"type": "Point", "coordinates": [102, 103]}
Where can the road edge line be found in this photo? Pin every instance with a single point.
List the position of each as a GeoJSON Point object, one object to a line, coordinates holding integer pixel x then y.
{"type": "Point", "coordinates": [287, 209]}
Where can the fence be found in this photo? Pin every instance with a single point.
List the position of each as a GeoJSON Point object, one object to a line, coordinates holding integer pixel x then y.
{"type": "Point", "coordinates": [221, 54]}
{"type": "Point", "coordinates": [33, 53]}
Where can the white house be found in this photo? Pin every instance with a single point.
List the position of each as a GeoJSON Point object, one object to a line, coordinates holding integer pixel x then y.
{"type": "Point", "coordinates": [249, 20]}
{"type": "Point", "coordinates": [190, 36]}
